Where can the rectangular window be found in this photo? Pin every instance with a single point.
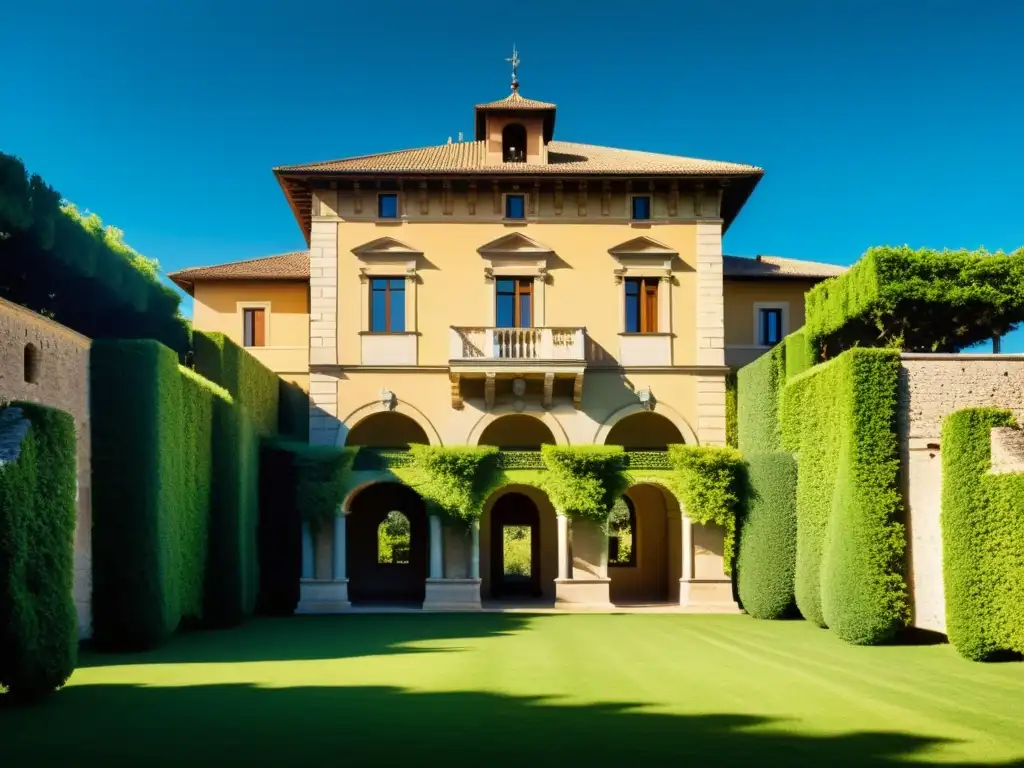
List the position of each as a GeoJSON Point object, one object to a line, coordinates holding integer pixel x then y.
{"type": "Point", "coordinates": [387, 205]}
{"type": "Point", "coordinates": [515, 206]}
{"type": "Point", "coordinates": [254, 327]}
{"type": "Point", "coordinates": [770, 327]}
{"type": "Point", "coordinates": [387, 305]}
{"type": "Point", "coordinates": [641, 305]}
{"type": "Point", "coordinates": [514, 302]}
{"type": "Point", "coordinates": [641, 207]}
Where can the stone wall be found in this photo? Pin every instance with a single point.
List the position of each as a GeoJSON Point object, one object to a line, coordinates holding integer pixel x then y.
{"type": "Point", "coordinates": [932, 387]}
{"type": "Point", "coordinates": [43, 362]}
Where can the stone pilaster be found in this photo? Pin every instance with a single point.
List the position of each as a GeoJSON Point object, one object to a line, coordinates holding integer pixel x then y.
{"type": "Point", "coordinates": [323, 293]}
{"type": "Point", "coordinates": [323, 409]}
{"type": "Point", "coordinates": [710, 334]}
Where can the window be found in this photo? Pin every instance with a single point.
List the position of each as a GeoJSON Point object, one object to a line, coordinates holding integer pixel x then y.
{"type": "Point", "coordinates": [515, 206]}
{"type": "Point", "coordinates": [769, 325]}
{"type": "Point", "coordinates": [513, 143]}
{"type": "Point", "coordinates": [641, 305]}
{"type": "Point", "coordinates": [514, 302]}
{"type": "Point", "coordinates": [30, 362]}
{"type": "Point", "coordinates": [387, 205]}
{"type": "Point", "coordinates": [393, 536]}
{"type": "Point", "coordinates": [641, 207]}
{"type": "Point", "coordinates": [622, 534]}
{"type": "Point", "coordinates": [254, 327]}
{"type": "Point", "coordinates": [387, 305]}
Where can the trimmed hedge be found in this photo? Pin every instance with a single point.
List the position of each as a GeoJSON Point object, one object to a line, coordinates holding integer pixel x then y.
{"type": "Point", "coordinates": [982, 539]}
{"type": "Point", "coordinates": [292, 411]}
{"type": "Point", "coordinates": [38, 622]}
{"type": "Point", "coordinates": [320, 485]}
{"type": "Point", "coordinates": [250, 383]}
{"type": "Point", "coordinates": [840, 420]}
{"type": "Point", "coordinates": [917, 300]}
{"type": "Point", "coordinates": [760, 386]}
{"type": "Point", "coordinates": [731, 418]}
{"type": "Point", "coordinates": [175, 497]}
{"type": "Point", "coordinates": [766, 560]}
{"type": "Point", "coordinates": [280, 532]}
{"type": "Point", "coordinates": [799, 356]}
{"type": "Point", "coordinates": [152, 473]}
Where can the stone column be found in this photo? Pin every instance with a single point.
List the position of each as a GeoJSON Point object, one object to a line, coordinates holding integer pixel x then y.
{"type": "Point", "coordinates": [687, 574]}
{"type": "Point", "coordinates": [435, 547]}
{"type": "Point", "coordinates": [340, 571]}
{"type": "Point", "coordinates": [307, 552]}
{"type": "Point", "coordinates": [563, 547]}
{"type": "Point", "coordinates": [474, 552]}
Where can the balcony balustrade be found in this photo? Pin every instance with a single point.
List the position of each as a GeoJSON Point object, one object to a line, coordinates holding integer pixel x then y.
{"type": "Point", "coordinates": [482, 344]}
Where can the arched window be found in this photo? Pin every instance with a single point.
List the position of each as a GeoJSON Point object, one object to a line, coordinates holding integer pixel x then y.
{"type": "Point", "coordinates": [622, 534]}
{"type": "Point", "coordinates": [31, 364]}
{"type": "Point", "coordinates": [513, 143]}
{"type": "Point", "coordinates": [393, 539]}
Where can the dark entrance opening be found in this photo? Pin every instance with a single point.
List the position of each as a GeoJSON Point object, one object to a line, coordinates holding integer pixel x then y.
{"type": "Point", "coordinates": [515, 547]}
{"type": "Point", "coordinates": [387, 546]}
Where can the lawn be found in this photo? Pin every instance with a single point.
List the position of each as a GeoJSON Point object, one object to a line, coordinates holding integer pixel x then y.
{"type": "Point", "coordinates": [513, 689]}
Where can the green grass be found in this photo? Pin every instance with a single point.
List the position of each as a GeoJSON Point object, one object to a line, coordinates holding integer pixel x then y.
{"type": "Point", "coordinates": [513, 689]}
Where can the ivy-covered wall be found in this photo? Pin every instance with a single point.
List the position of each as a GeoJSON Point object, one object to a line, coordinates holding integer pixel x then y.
{"type": "Point", "coordinates": [982, 539]}
{"type": "Point", "coordinates": [839, 418]}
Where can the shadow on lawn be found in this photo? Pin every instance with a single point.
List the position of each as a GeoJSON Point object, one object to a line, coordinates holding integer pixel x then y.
{"type": "Point", "coordinates": [318, 637]}
{"type": "Point", "coordinates": [244, 724]}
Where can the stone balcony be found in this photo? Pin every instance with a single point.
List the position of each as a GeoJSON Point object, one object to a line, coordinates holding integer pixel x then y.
{"type": "Point", "coordinates": [490, 354]}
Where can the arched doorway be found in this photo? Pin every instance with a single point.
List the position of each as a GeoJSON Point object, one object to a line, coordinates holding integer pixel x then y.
{"type": "Point", "coordinates": [386, 545]}
{"type": "Point", "coordinates": [517, 432]}
{"type": "Point", "coordinates": [386, 430]}
{"type": "Point", "coordinates": [644, 432]}
{"type": "Point", "coordinates": [515, 548]}
{"type": "Point", "coordinates": [645, 547]}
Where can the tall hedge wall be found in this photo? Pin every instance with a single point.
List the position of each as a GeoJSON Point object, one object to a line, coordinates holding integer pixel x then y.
{"type": "Point", "coordinates": [840, 420]}
{"type": "Point", "coordinates": [250, 383]}
{"type": "Point", "coordinates": [916, 300]}
{"type": "Point", "coordinates": [38, 623]}
{"type": "Point", "coordinates": [152, 474]}
{"type": "Point", "coordinates": [292, 411]}
{"type": "Point", "coordinates": [175, 493]}
{"type": "Point", "coordinates": [766, 558]}
{"type": "Point", "coordinates": [982, 539]}
{"type": "Point", "coordinates": [280, 531]}
{"type": "Point", "coordinates": [760, 386]}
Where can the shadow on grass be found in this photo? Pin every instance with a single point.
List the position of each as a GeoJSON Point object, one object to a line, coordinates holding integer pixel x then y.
{"type": "Point", "coordinates": [244, 724]}
{"type": "Point", "coordinates": [318, 637]}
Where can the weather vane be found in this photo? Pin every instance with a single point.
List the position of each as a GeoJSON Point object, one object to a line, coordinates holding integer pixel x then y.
{"type": "Point", "coordinates": [514, 61]}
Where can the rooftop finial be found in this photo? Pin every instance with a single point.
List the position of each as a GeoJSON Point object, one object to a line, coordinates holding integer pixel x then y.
{"type": "Point", "coordinates": [514, 61]}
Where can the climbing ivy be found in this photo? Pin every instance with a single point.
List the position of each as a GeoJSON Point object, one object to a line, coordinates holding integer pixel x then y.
{"type": "Point", "coordinates": [584, 481]}
{"type": "Point", "coordinates": [454, 481]}
{"type": "Point", "coordinates": [321, 472]}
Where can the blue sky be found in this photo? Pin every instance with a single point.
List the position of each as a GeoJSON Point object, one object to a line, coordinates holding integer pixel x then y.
{"type": "Point", "coordinates": [876, 122]}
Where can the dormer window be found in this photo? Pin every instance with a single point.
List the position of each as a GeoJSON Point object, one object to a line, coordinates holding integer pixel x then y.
{"type": "Point", "coordinates": [513, 143]}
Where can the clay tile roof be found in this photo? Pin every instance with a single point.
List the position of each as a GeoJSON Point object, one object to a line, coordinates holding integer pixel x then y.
{"type": "Point", "coordinates": [776, 266]}
{"type": "Point", "coordinates": [563, 158]}
{"type": "Point", "coordinates": [284, 266]}
{"type": "Point", "coordinates": [515, 101]}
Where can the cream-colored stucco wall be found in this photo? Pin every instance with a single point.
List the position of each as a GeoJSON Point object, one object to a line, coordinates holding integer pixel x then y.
{"type": "Point", "coordinates": [742, 298]}
{"type": "Point", "coordinates": [452, 288]}
{"type": "Point", "coordinates": [62, 382]}
{"type": "Point", "coordinates": [218, 307]}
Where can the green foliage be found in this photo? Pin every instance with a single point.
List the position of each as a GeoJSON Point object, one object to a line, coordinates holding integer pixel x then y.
{"type": "Point", "coordinates": [279, 532]}
{"type": "Point", "coordinates": [982, 539]}
{"type": "Point", "coordinates": [152, 473]}
{"type": "Point", "coordinates": [455, 480]}
{"type": "Point", "coordinates": [520, 460]}
{"type": "Point", "coordinates": [250, 383]}
{"type": "Point", "coordinates": [711, 482]}
{"type": "Point", "coordinates": [38, 623]}
{"type": "Point", "coordinates": [517, 555]}
{"type": "Point", "coordinates": [766, 561]}
{"type": "Point", "coordinates": [760, 385]}
{"type": "Point", "coordinates": [731, 417]}
{"type": "Point", "coordinates": [70, 267]}
{"type": "Point", "coordinates": [799, 356]}
{"type": "Point", "coordinates": [840, 420]}
{"type": "Point", "coordinates": [321, 473]}
{"type": "Point", "coordinates": [584, 481]}
{"type": "Point", "coordinates": [292, 411]}
{"type": "Point", "coordinates": [394, 535]}
{"type": "Point", "coordinates": [923, 300]}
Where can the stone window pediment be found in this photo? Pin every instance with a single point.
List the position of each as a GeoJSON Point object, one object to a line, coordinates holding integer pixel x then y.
{"type": "Point", "coordinates": [515, 254]}
{"type": "Point", "coordinates": [385, 255]}
{"type": "Point", "coordinates": [643, 252]}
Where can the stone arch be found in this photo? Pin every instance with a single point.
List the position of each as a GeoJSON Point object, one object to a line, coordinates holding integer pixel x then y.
{"type": "Point", "coordinates": [653, 575]}
{"type": "Point", "coordinates": [669, 413]}
{"type": "Point", "coordinates": [374, 408]}
{"type": "Point", "coordinates": [517, 431]}
{"type": "Point", "coordinates": [555, 427]}
{"type": "Point", "coordinates": [524, 505]}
